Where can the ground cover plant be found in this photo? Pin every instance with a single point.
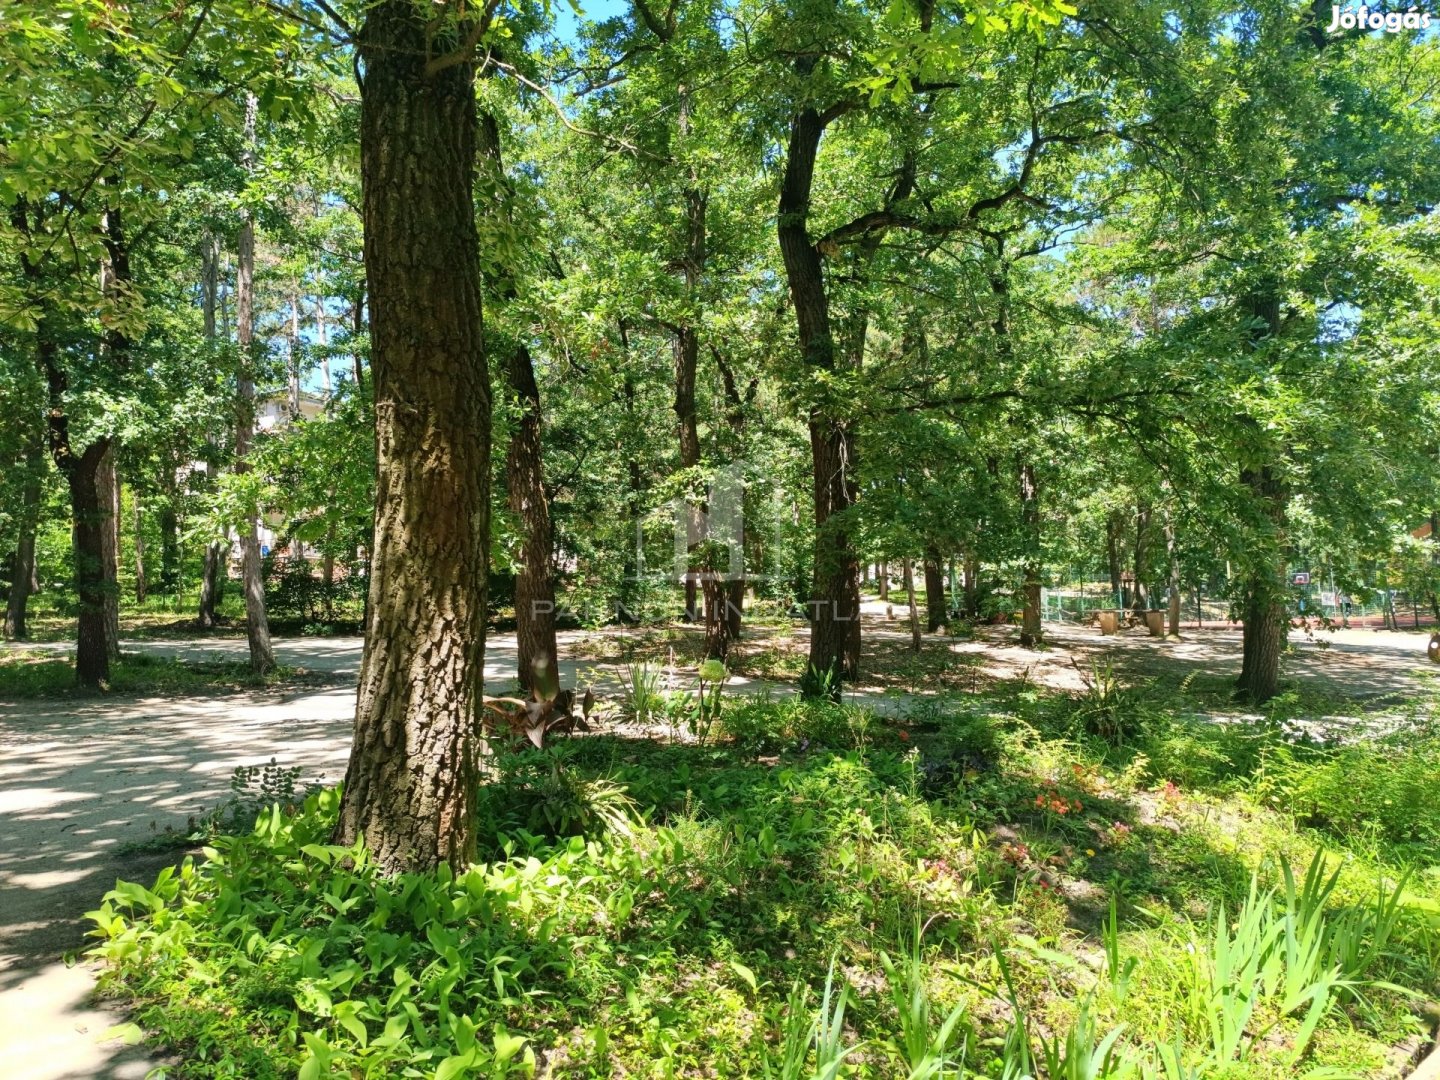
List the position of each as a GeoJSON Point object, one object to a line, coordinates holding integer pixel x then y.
{"type": "Point", "coordinates": [979, 887]}
{"type": "Point", "coordinates": [36, 674]}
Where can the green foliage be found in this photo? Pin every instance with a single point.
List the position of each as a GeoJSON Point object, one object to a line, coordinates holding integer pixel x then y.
{"type": "Point", "coordinates": [713, 889]}
{"type": "Point", "coordinates": [539, 794]}
{"type": "Point", "coordinates": [797, 723]}
{"type": "Point", "coordinates": [35, 674]}
{"type": "Point", "coordinates": [1381, 790]}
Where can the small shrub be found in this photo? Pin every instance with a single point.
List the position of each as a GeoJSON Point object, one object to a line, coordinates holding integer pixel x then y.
{"type": "Point", "coordinates": [797, 723]}
{"type": "Point", "coordinates": [540, 794]}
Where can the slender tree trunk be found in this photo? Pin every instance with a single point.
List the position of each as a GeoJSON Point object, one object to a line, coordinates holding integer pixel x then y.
{"type": "Point", "coordinates": [835, 595]}
{"type": "Point", "coordinates": [1112, 558]}
{"type": "Point", "coordinates": [257, 624]}
{"type": "Point", "coordinates": [210, 583]}
{"type": "Point", "coordinates": [92, 514]}
{"type": "Point", "coordinates": [1173, 596]}
{"type": "Point", "coordinates": [140, 584]}
{"type": "Point", "coordinates": [687, 351]}
{"type": "Point", "coordinates": [1141, 595]}
{"type": "Point", "coordinates": [534, 584]}
{"type": "Point", "coordinates": [971, 572]}
{"type": "Point", "coordinates": [934, 590]}
{"type": "Point", "coordinates": [735, 607]}
{"type": "Point", "coordinates": [1031, 632]}
{"type": "Point", "coordinates": [411, 784]}
{"type": "Point", "coordinates": [537, 653]}
{"type": "Point", "coordinates": [909, 571]}
{"type": "Point", "coordinates": [885, 581]}
{"type": "Point", "coordinates": [107, 482]}
{"type": "Point", "coordinates": [169, 545]}
{"type": "Point", "coordinates": [214, 563]}
{"type": "Point", "coordinates": [22, 566]}
{"type": "Point", "coordinates": [322, 344]}
{"type": "Point", "coordinates": [292, 358]}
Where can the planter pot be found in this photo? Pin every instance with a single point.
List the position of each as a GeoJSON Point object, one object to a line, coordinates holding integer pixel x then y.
{"type": "Point", "coordinates": [1109, 622]}
{"type": "Point", "coordinates": [1155, 621]}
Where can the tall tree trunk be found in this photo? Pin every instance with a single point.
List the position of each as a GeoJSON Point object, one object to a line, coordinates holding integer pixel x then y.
{"type": "Point", "coordinates": [411, 784]}
{"type": "Point", "coordinates": [257, 624]}
{"type": "Point", "coordinates": [140, 583]}
{"type": "Point", "coordinates": [1173, 594]}
{"type": "Point", "coordinates": [971, 571]}
{"type": "Point", "coordinates": [214, 564]}
{"type": "Point", "coordinates": [210, 580]}
{"type": "Point", "coordinates": [322, 344]}
{"type": "Point", "coordinates": [1031, 632]}
{"type": "Point", "coordinates": [1265, 626]}
{"type": "Point", "coordinates": [1112, 559]}
{"type": "Point", "coordinates": [934, 590]}
{"type": "Point", "coordinates": [107, 482]}
{"type": "Point", "coordinates": [92, 521]}
{"type": "Point", "coordinates": [22, 566]}
{"type": "Point", "coordinates": [835, 594]}
{"type": "Point", "coordinates": [914, 612]}
{"type": "Point", "coordinates": [292, 355]}
{"type": "Point", "coordinates": [687, 356]}
{"type": "Point", "coordinates": [1141, 596]}
{"type": "Point", "coordinates": [885, 581]}
{"type": "Point", "coordinates": [687, 352]}
{"type": "Point", "coordinates": [92, 658]}
{"type": "Point", "coordinates": [735, 606]}
{"type": "Point", "coordinates": [169, 525]}
{"type": "Point", "coordinates": [537, 653]}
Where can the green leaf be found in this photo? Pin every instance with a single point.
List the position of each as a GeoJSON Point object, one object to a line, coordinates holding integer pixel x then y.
{"type": "Point", "coordinates": [745, 974]}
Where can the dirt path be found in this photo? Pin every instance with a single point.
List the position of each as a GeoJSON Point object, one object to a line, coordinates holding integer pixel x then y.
{"type": "Point", "coordinates": [79, 780]}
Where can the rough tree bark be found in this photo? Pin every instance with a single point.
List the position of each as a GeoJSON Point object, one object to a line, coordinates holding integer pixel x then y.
{"type": "Point", "coordinates": [885, 581]}
{"type": "Point", "coordinates": [257, 624]}
{"type": "Point", "coordinates": [411, 784]}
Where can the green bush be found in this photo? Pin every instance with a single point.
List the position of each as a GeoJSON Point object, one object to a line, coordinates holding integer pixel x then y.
{"type": "Point", "coordinates": [797, 723]}
{"type": "Point", "coordinates": [1387, 790]}
{"type": "Point", "coordinates": [693, 940]}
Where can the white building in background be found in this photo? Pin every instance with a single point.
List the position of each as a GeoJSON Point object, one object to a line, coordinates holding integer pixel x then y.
{"type": "Point", "coordinates": [273, 412]}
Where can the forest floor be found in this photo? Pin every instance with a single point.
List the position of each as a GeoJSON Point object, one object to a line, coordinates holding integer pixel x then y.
{"type": "Point", "coordinates": [89, 786]}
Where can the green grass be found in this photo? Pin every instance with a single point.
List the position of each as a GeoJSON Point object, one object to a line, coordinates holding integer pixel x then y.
{"type": "Point", "coordinates": [30, 674]}
{"type": "Point", "coordinates": [995, 889]}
